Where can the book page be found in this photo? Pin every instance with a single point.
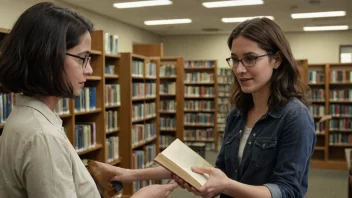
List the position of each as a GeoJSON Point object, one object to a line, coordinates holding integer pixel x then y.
{"type": "Point", "coordinates": [185, 157]}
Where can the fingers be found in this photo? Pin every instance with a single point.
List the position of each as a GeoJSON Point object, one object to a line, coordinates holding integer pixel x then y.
{"type": "Point", "coordinates": [201, 170]}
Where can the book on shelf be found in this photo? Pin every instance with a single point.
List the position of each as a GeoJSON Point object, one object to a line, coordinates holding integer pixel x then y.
{"type": "Point", "coordinates": [179, 158]}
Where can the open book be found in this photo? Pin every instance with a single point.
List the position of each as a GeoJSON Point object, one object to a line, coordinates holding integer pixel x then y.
{"type": "Point", "coordinates": [179, 158]}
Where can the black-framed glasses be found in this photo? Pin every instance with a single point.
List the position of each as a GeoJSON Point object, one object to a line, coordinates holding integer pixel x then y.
{"type": "Point", "coordinates": [85, 59]}
{"type": "Point", "coordinates": [247, 61]}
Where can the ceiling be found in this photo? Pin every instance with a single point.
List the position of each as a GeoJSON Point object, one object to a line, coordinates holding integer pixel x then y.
{"type": "Point", "coordinates": [210, 18]}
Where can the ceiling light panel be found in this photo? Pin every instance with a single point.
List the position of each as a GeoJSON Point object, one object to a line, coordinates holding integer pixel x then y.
{"type": "Point", "coordinates": [138, 4]}
{"type": "Point", "coordinates": [318, 14]}
{"type": "Point", "coordinates": [326, 28]}
{"type": "Point", "coordinates": [167, 22]}
{"type": "Point", "coordinates": [218, 4]}
{"type": "Point", "coordinates": [241, 19]}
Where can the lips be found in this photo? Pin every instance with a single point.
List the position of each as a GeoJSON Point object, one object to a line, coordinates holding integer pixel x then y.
{"type": "Point", "coordinates": [245, 79]}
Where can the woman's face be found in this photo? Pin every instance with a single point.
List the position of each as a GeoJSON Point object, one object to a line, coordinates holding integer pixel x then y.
{"type": "Point", "coordinates": [254, 76]}
{"type": "Point", "coordinates": [75, 70]}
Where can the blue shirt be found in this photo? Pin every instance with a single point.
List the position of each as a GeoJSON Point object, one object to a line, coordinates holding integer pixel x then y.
{"type": "Point", "coordinates": [277, 153]}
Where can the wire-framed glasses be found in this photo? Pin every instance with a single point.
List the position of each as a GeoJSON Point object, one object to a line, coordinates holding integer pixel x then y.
{"type": "Point", "coordinates": [247, 61]}
{"type": "Point", "coordinates": [85, 59]}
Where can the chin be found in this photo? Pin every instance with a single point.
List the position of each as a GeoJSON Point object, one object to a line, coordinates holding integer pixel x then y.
{"type": "Point", "coordinates": [248, 90]}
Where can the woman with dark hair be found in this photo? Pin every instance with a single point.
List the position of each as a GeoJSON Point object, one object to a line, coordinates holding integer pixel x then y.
{"type": "Point", "coordinates": [44, 58]}
{"type": "Point", "coordinates": [269, 136]}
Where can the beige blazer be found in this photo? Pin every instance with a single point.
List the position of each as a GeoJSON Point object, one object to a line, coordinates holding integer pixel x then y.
{"type": "Point", "coordinates": [36, 158]}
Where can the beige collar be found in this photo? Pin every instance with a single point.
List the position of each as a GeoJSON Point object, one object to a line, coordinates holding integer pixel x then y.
{"type": "Point", "coordinates": [22, 100]}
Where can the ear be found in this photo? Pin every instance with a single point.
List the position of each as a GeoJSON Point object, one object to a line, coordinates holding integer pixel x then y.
{"type": "Point", "coordinates": [277, 60]}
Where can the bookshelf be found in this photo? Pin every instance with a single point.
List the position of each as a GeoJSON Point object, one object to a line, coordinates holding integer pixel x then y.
{"type": "Point", "coordinates": [332, 94]}
{"type": "Point", "coordinates": [4, 96]}
{"type": "Point", "coordinates": [200, 113]}
{"type": "Point", "coordinates": [171, 100]}
{"type": "Point", "coordinates": [224, 79]}
{"type": "Point", "coordinates": [140, 101]}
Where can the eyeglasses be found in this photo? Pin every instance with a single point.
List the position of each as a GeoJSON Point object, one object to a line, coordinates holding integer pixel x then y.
{"type": "Point", "coordinates": [247, 61]}
{"type": "Point", "coordinates": [85, 59]}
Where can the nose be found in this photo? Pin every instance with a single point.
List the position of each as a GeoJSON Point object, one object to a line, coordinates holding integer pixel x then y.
{"type": "Point", "coordinates": [88, 70]}
{"type": "Point", "coordinates": [239, 69]}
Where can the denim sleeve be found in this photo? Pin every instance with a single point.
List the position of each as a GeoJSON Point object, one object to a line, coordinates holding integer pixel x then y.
{"type": "Point", "coordinates": [220, 163]}
{"type": "Point", "coordinates": [295, 147]}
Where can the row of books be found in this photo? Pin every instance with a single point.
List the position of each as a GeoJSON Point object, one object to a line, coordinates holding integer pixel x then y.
{"type": "Point", "coordinates": [168, 105]}
{"type": "Point", "coordinates": [167, 70]}
{"type": "Point", "coordinates": [224, 89]}
{"type": "Point", "coordinates": [142, 90]}
{"type": "Point", "coordinates": [199, 91]}
{"type": "Point", "coordinates": [340, 138]}
{"type": "Point", "coordinates": [198, 64]}
{"type": "Point", "coordinates": [167, 123]}
{"type": "Point", "coordinates": [199, 77]}
{"type": "Point", "coordinates": [340, 76]}
{"type": "Point", "coordinates": [109, 69]}
{"type": "Point", "coordinates": [343, 94]}
{"type": "Point", "coordinates": [62, 107]}
{"type": "Point", "coordinates": [318, 94]}
{"type": "Point", "coordinates": [320, 127]}
{"type": "Point", "coordinates": [150, 70]}
{"type": "Point", "coordinates": [85, 136]}
{"type": "Point", "coordinates": [341, 124]}
{"type": "Point", "coordinates": [111, 43]}
{"type": "Point", "coordinates": [195, 105]}
{"type": "Point", "coordinates": [112, 148]}
{"type": "Point", "coordinates": [168, 88]}
{"type": "Point", "coordinates": [316, 77]}
{"type": "Point", "coordinates": [225, 76]}
{"type": "Point", "coordinates": [199, 118]}
{"type": "Point", "coordinates": [317, 110]}
{"type": "Point", "coordinates": [138, 68]}
{"type": "Point", "coordinates": [112, 95]}
{"type": "Point", "coordinates": [199, 134]}
{"type": "Point", "coordinates": [6, 105]}
{"type": "Point", "coordinates": [143, 111]}
{"type": "Point", "coordinates": [165, 140]}
{"type": "Point", "coordinates": [340, 110]}
{"type": "Point", "coordinates": [141, 159]}
{"type": "Point", "coordinates": [87, 100]}
{"type": "Point", "coordinates": [143, 132]}
{"type": "Point", "coordinates": [111, 120]}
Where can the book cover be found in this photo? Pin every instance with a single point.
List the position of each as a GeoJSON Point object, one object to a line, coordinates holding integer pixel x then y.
{"type": "Point", "coordinates": [179, 158]}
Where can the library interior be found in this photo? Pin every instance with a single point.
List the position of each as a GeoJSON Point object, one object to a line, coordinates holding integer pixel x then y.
{"type": "Point", "coordinates": [160, 73]}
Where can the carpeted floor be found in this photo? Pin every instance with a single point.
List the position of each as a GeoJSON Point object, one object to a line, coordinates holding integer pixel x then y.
{"type": "Point", "coordinates": [322, 183]}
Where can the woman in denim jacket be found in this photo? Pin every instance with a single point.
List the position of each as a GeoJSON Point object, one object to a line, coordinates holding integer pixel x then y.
{"type": "Point", "coordinates": [269, 135]}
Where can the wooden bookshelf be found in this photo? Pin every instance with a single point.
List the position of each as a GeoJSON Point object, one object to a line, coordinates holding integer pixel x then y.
{"type": "Point", "coordinates": [330, 149]}
{"type": "Point", "coordinates": [225, 79]}
{"type": "Point", "coordinates": [171, 78]}
{"type": "Point", "coordinates": [128, 62]}
{"type": "Point", "coordinates": [201, 89]}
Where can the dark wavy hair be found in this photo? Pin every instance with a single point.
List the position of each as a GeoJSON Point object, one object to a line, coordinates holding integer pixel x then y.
{"type": "Point", "coordinates": [33, 54]}
{"type": "Point", "coordinates": [285, 83]}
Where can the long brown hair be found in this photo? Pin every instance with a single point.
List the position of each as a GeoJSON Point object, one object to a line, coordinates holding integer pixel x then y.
{"type": "Point", "coordinates": [285, 83]}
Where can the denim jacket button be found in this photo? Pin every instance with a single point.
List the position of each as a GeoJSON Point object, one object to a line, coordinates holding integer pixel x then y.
{"type": "Point", "coordinates": [254, 134]}
{"type": "Point", "coordinates": [263, 145]}
{"type": "Point", "coordinates": [249, 143]}
{"type": "Point", "coordinates": [240, 131]}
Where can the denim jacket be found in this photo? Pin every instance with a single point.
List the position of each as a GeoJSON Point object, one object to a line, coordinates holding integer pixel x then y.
{"type": "Point", "coordinates": [277, 153]}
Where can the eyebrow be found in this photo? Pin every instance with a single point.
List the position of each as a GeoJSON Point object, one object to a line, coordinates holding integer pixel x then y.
{"type": "Point", "coordinates": [245, 54]}
{"type": "Point", "coordinates": [85, 52]}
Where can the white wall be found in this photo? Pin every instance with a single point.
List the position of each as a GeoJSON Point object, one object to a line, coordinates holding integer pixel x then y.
{"type": "Point", "coordinates": [10, 10]}
{"type": "Point", "coordinates": [317, 47]}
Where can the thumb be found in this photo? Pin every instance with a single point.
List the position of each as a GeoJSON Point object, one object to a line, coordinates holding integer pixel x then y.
{"type": "Point", "coordinates": [170, 187]}
{"type": "Point", "coordinates": [201, 170]}
{"type": "Point", "coordinates": [116, 178]}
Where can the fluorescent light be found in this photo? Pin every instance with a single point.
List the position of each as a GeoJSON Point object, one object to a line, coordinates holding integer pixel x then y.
{"type": "Point", "coordinates": [137, 4]}
{"type": "Point", "coordinates": [241, 19]}
{"type": "Point", "coordinates": [318, 14]}
{"type": "Point", "coordinates": [326, 28]}
{"type": "Point", "coordinates": [167, 22]}
{"type": "Point", "coordinates": [218, 4]}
